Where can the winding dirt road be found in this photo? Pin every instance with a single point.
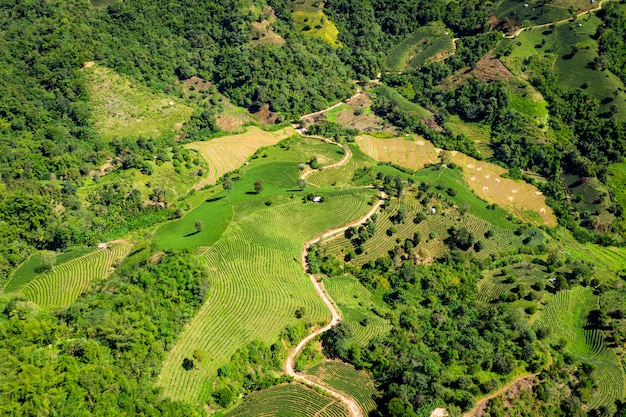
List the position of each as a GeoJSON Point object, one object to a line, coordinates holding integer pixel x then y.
{"type": "Point", "coordinates": [351, 404]}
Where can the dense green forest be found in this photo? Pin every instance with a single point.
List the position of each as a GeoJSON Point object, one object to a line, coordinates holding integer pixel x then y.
{"type": "Point", "coordinates": [65, 186]}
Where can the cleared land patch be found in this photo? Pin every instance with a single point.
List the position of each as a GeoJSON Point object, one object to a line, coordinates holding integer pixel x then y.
{"type": "Point", "coordinates": [257, 285]}
{"type": "Point", "coordinates": [63, 284]}
{"type": "Point", "coordinates": [429, 43]}
{"type": "Point", "coordinates": [310, 19]}
{"type": "Point", "coordinates": [357, 384]}
{"type": "Point", "coordinates": [228, 153]}
{"type": "Point", "coordinates": [293, 400]}
{"type": "Point", "coordinates": [122, 108]}
{"type": "Point", "coordinates": [485, 179]}
{"type": "Point", "coordinates": [565, 314]}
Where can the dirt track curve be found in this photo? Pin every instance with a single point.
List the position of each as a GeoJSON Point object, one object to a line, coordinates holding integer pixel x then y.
{"type": "Point", "coordinates": [350, 403]}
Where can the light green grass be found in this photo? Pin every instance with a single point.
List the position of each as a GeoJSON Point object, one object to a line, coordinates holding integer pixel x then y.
{"type": "Point", "coordinates": [426, 44]}
{"type": "Point", "coordinates": [402, 102]}
{"type": "Point", "coordinates": [493, 284]}
{"type": "Point", "coordinates": [617, 183]}
{"type": "Point", "coordinates": [63, 284]}
{"type": "Point", "coordinates": [565, 314]}
{"type": "Point", "coordinates": [257, 280]}
{"type": "Point", "coordinates": [289, 400]}
{"type": "Point", "coordinates": [26, 272]}
{"type": "Point", "coordinates": [524, 98]}
{"type": "Point", "coordinates": [182, 233]}
{"type": "Point", "coordinates": [122, 108]}
{"type": "Point", "coordinates": [343, 377]}
{"type": "Point", "coordinates": [355, 304]}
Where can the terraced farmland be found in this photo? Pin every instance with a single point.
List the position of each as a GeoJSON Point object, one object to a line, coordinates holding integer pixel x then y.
{"type": "Point", "coordinates": [257, 284]}
{"type": "Point", "coordinates": [565, 314]}
{"type": "Point", "coordinates": [429, 43]}
{"type": "Point", "coordinates": [66, 282]}
{"type": "Point", "coordinates": [355, 304]}
{"type": "Point", "coordinates": [289, 400]}
{"type": "Point", "coordinates": [357, 384]}
{"type": "Point", "coordinates": [493, 284]}
{"type": "Point", "coordinates": [230, 152]}
{"type": "Point", "coordinates": [503, 240]}
{"type": "Point", "coordinates": [485, 179]}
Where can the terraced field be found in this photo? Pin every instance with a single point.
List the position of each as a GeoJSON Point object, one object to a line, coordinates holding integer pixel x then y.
{"type": "Point", "coordinates": [537, 13]}
{"type": "Point", "coordinates": [565, 314]}
{"type": "Point", "coordinates": [493, 284]}
{"type": "Point", "coordinates": [230, 152]}
{"type": "Point", "coordinates": [355, 304]}
{"type": "Point", "coordinates": [257, 284]}
{"type": "Point", "coordinates": [429, 43]}
{"type": "Point", "coordinates": [357, 384]}
{"type": "Point", "coordinates": [503, 240]}
{"type": "Point", "coordinates": [485, 179]}
{"type": "Point", "coordinates": [289, 400]}
{"type": "Point", "coordinates": [66, 282]}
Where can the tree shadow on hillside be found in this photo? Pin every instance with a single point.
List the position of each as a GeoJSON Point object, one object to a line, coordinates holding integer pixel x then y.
{"type": "Point", "coordinates": [211, 200]}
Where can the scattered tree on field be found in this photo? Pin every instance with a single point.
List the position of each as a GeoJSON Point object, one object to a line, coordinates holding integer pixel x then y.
{"type": "Point", "coordinates": [228, 185]}
{"type": "Point", "coordinates": [188, 364]}
{"type": "Point", "coordinates": [258, 186]}
{"type": "Point", "coordinates": [199, 226]}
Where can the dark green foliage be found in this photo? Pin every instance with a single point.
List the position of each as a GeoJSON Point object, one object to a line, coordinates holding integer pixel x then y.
{"type": "Point", "coordinates": [103, 353]}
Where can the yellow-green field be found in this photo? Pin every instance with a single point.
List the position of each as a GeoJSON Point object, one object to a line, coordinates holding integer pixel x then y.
{"type": "Point", "coordinates": [123, 108]}
{"type": "Point", "coordinates": [228, 153]}
{"type": "Point", "coordinates": [485, 179]}
{"type": "Point", "coordinates": [315, 24]}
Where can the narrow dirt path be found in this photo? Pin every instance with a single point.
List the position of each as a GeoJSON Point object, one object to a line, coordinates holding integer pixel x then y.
{"type": "Point", "coordinates": [329, 108]}
{"type": "Point", "coordinates": [351, 404]}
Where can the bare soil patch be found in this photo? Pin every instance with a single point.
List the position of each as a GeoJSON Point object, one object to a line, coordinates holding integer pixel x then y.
{"type": "Point", "coordinates": [263, 31]}
{"type": "Point", "coordinates": [264, 114]}
{"type": "Point", "coordinates": [488, 69]}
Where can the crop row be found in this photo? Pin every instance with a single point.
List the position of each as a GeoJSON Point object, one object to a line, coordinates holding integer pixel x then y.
{"type": "Point", "coordinates": [357, 384]}
{"type": "Point", "coordinates": [289, 400]}
{"type": "Point", "coordinates": [64, 283]}
{"type": "Point", "coordinates": [257, 284]}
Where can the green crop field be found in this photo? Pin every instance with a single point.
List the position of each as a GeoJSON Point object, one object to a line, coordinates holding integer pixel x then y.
{"type": "Point", "coordinates": [524, 98]}
{"type": "Point", "coordinates": [257, 279]}
{"type": "Point", "coordinates": [62, 285]}
{"type": "Point", "coordinates": [357, 384]}
{"type": "Point", "coordinates": [617, 182]}
{"type": "Point", "coordinates": [289, 400]}
{"type": "Point", "coordinates": [402, 102]}
{"type": "Point", "coordinates": [355, 304]}
{"type": "Point", "coordinates": [428, 43]}
{"type": "Point", "coordinates": [125, 109]}
{"type": "Point", "coordinates": [565, 314]}
{"type": "Point", "coordinates": [571, 48]}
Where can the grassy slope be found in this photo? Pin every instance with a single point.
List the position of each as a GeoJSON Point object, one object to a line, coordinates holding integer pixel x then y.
{"type": "Point", "coordinates": [426, 44]}
{"type": "Point", "coordinates": [573, 70]}
{"type": "Point", "coordinates": [289, 400]}
{"type": "Point", "coordinates": [122, 108]}
{"type": "Point", "coordinates": [257, 281]}
{"type": "Point", "coordinates": [402, 102]}
{"type": "Point", "coordinates": [556, 10]}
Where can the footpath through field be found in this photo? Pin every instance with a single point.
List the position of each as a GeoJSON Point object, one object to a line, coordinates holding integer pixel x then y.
{"type": "Point", "coordinates": [351, 404]}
